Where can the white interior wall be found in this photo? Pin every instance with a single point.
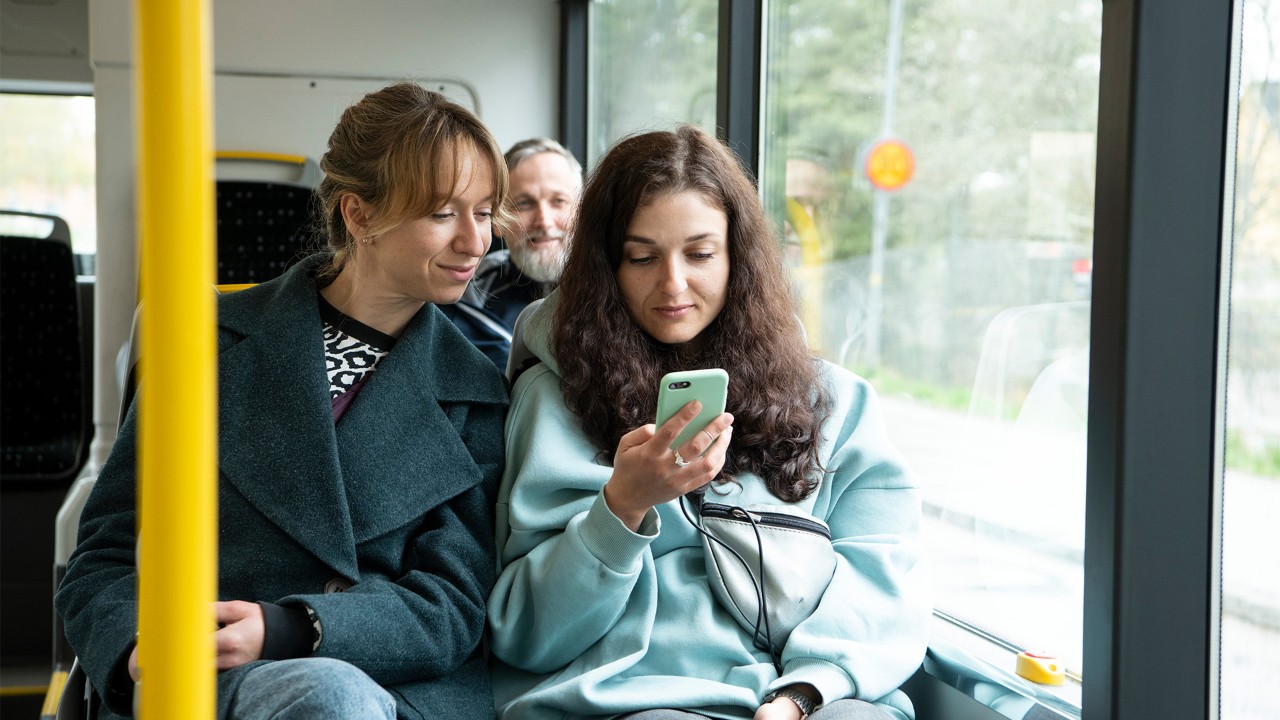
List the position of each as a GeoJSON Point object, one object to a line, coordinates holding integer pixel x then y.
{"type": "Point", "coordinates": [44, 44]}
{"type": "Point", "coordinates": [266, 57]}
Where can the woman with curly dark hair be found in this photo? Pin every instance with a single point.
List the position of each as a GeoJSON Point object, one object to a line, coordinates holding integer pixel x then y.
{"type": "Point", "coordinates": [604, 606]}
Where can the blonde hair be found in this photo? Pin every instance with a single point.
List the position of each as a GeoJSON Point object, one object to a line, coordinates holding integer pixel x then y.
{"type": "Point", "coordinates": [402, 150]}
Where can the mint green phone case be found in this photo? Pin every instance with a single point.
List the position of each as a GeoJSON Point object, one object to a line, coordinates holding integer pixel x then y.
{"type": "Point", "coordinates": [710, 387]}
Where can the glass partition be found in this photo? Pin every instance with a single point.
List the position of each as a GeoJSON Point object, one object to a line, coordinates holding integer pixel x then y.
{"type": "Point", "coordinates": [1251, 488]}
{"type": "Point", "coordinates": [931, 164]}
{"type": "Point", "coordinates": [675, 83]}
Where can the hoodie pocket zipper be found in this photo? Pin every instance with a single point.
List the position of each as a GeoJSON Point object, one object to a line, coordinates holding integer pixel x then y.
{"type": "Point", "coordinates": [763, 517]}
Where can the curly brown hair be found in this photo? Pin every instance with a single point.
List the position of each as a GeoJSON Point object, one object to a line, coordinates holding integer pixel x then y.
{"type": "Point", "coordinates": [610, 368]}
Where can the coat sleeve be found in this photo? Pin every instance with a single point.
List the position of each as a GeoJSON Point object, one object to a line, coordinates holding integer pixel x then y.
{"type": "Point", "coordinates": [98, 597]}
{"type": "Point", "coordinates": [429, 620]}
{"type": "Point", "coordinates": [870, 630]}
{"type": "Point", "coordinates": [569, 567]}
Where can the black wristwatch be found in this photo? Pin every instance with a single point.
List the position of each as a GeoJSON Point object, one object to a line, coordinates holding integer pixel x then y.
{"type": "Point", "coordinates": [805, 703]}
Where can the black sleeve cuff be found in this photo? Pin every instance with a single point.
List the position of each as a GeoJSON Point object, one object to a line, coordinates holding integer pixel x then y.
{"type": "Point", "coordinates": [118, 694]}
{"type": "Point", "coordinates": [288, 632]}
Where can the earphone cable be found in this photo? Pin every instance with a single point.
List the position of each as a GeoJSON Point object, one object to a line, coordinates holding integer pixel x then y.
{"type": "Point", "coordinates": [763, 641]}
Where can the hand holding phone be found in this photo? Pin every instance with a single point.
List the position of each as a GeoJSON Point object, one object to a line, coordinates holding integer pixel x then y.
{"type": "Point", "coordinates": [709, 387]}
{"type": "Point", "coordinates": [643, 472]}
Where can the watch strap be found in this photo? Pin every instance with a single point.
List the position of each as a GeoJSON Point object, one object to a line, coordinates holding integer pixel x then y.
{"type": "Point", "coordinates": [804, 702]}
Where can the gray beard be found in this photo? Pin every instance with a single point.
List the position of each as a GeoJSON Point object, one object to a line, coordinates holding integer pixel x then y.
{"type": "Point", "coordinates": [541, 267]}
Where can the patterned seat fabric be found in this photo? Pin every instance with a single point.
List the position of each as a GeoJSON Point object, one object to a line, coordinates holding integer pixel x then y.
{"type": "Point", "coordinates": [44, 415]}
{"type": "Point", "coordinates": [263, 228]}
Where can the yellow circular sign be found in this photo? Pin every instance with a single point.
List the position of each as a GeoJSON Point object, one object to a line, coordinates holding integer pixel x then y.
{"type": "Point", "coordinates": [890, 164]}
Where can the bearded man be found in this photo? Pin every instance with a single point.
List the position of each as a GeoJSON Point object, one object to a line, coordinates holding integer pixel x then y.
{"type": "Point", "coordinates": [546, 180]}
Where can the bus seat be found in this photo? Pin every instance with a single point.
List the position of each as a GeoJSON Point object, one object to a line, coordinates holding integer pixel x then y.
{"type": "Point", "coordinates": [70, 696]}
{"type": "Point", "coordinates": [45, 421]}
{"type": "Point", "coordinates": [264, 220]}
{"type": "Point", "coordinates": [68, 521]}
{"type": "Point", "coordinates": [68, 679]}
{"type": "Point", "coordinates": [520, 358]}
{"type": "Point", "coordinates": [75, 701]}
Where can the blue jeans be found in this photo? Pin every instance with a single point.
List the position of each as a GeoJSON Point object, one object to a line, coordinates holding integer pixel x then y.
{"type": "Point", "coordinates": [310, 689]}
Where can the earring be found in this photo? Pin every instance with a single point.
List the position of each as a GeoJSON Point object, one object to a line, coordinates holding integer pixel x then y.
{"type": "Point", "coordinates": [366, 240]}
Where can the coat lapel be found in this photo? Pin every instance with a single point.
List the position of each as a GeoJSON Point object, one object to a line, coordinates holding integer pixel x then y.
{"type": "Point", "coordinates": [277, 442]}
{"type": "Point", "coordinates": [400, 444]}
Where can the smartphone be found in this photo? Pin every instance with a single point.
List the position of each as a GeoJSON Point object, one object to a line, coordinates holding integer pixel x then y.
{"type": "Point", "coordinates": [710, 387]}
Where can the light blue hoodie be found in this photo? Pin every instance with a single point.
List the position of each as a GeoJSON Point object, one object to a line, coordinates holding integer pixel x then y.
{"type": "Point", "coordinates": [590, 619]}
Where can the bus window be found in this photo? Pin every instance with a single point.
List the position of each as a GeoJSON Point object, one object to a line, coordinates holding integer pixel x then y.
{"type": "Point", "coordinates": [675, 83]}
{"type": "Point", "coordinates": [1250, 621]}
{"type": "Point", "coordinates": [48, 167]}
{"type": "Point", "coordinates": [931, 165]}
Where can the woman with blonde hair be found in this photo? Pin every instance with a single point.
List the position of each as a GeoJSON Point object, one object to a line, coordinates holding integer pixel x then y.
{"type": "Point", "coordinates": [360, 445]}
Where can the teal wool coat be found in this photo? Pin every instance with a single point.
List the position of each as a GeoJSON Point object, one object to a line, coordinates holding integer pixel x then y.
{"type": "Point", "coordinates": [394, 502]}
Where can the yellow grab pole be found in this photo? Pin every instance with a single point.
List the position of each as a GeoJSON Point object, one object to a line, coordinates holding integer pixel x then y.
{"type": "Point", "coordinates": [177, 445]}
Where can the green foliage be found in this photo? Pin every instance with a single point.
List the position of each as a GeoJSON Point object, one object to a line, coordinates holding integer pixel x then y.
{"type": "Point", "coordinates": [890, 383]}
{"type": "Point", "coordinates": [1260, 459]}
{"type": "Point", "coordinates": [975, 82]}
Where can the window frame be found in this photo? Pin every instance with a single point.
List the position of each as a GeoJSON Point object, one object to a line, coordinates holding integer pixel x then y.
{"type": "Point", "coordinates": [1155, 466]}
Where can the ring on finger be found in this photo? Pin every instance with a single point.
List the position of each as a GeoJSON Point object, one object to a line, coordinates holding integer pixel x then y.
{"type": "Point", "coordinates": [710, 438]}
{"type": "Point", "coordinates": [680, 462]}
